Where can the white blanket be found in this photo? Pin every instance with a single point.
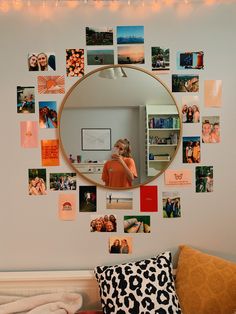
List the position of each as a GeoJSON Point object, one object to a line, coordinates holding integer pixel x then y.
{"type": "Point", "coordinates": [52, 303]}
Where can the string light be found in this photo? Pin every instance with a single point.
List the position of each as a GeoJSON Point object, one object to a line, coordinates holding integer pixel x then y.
{"type": "Point", "coordinates": [113, 5]}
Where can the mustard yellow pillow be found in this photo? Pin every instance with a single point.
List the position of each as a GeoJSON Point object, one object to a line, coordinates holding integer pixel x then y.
{"type": "Point", "coordinates": [205, 284]}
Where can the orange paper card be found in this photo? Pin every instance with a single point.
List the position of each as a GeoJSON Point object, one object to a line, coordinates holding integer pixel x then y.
{"type": "Point", "coordinates": [67, 206]}
{"type": "Point", "coordinates": [213, 93]}
{"type": "Point", "coordinates": [178, 177]}
{"type": "Point", "coordinates": [50, 152]}
{"type": "Point", "coordinates": [29, 134]}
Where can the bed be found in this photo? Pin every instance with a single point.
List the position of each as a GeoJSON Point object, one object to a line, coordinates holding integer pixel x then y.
{"type": "Point", "coordinates": [34, 283]}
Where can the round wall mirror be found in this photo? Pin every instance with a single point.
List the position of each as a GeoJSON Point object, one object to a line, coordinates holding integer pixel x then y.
{"type": "Point", "coordinates": [119, 127]}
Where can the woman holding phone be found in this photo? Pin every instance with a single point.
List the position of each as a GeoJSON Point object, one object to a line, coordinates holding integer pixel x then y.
{"type": "Point", "coordinates": [120, 171]}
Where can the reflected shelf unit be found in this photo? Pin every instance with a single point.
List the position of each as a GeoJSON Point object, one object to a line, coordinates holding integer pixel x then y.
{"type": "Point", "coordinates": [163, 127]}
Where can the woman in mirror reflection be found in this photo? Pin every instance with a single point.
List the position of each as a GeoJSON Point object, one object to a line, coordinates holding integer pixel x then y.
{"type": "Point", "coordinates": [120, 170]}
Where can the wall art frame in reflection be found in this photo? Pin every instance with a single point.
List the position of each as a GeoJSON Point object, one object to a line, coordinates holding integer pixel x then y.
{"type": "Point", "coordinates": [98, 139]}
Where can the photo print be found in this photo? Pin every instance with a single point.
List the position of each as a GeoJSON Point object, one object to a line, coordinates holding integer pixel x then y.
{"type": "Point", "coordinates": [137, 224]}
{"type": "Point", "coordinates": [171, 205]}
{"type": "Point", "coordinates": [67, 206]}
{"type": "Point", "coordinates": [119, 200]}
{"type": "Point", "coordinates": [100, 57]}
{"type": "Point", "coordinates": [50, 152]}
{"type": "Point", "coordinates": [190, 60]}
{"type": "Point", "coordinates": [213, 93]}
{"type": "Point", "coordinates": [127, 35]}
{"type": "Point", "coordinates": [185, 83]}
{"type": "Point", "coordinates": [37, 181]}
{"type": "Point", "coordinates": [51, 84]}
{"type": "Point", "coordinates": [29, 134]}
{"type": "Point", "coordinates": [190, 109]}
{"type": "Point", "coordinates": [191, 149]}
{"type": "Point", "coordinates": [204, 179]}
{"type": "Point", "coordinates": [25, 99]}
{"type": "Point", "coordinates": [87, 198]}
{"type": "Point", "coordinates": [130, 54]}
{"type": "Point", "coordinates": [47, 114]}
{"type": "Point", "coordinates": [41, 61]}
{"type": "Point", "coordinates": [120, 245]}
{"type": "Point", "coordinates": [96, 36]}
{"type": "Point", "coordinates": [211, 129]}
{"type": "Point", "coordinates": [160, 59]}
{"type": "Point", "coordinates": [75, 62]}
{"type": "Point", "coordinates": [106, 223]}
{"type": "Point", "coordinates": [62, 181]}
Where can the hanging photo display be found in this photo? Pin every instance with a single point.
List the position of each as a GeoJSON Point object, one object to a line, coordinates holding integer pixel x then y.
{"type": "Point", "coordinates": [119, 200]}
{"type": "Point", "coordinates": [106, 223]}
{"type": "Point", "coordinates": [211, 129]}
{"type": "Point", "coordinates": [137, 224]}
{"type": "Point", "coordinates": [171, 205]}
{"type": "Point", "coordinates": [25, 99]}
{"type": "Point", "coordinates": [37, 181]}
{"type": "Point", "coordinates": [204, 179]}
{"type": "Point", "coordinates": [41, 61]}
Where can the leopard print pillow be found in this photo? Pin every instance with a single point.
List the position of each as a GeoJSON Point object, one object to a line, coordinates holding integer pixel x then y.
{"type": "Point", "coordinates": [142, 287]}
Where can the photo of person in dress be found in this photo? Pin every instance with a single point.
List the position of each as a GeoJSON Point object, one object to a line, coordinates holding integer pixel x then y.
{"type": "Point", "coordinates": [87, 198]}
{"type": "Point", "coordinates": [171, 205]}
{"type": "Point", "coordinates": [120, 170]}
{"type": "Point", "coordinates": [48, 114]}
{"type": "Point", "coordinates": [191, 149]}
{"type": "Point", "coordinates": [190, 109]}
{"type": "Point", "coordinates": [204, 179]}
{"type": "Point", "coordinates": [211, 129]}
{"type": "Point", "coordinates": [106, 223]}
{"type": "Point", "coordinates": [37, 181]}
{"type": "Point", "coordinates": [120, 245]}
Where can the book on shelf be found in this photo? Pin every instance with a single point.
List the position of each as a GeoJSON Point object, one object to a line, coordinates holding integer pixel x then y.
{"type": "Point", "coordinates": [162, 157]}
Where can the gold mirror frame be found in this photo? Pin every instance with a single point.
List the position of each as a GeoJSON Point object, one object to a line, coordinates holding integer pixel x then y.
{"type": "Point", "coordinates": [122, 68]}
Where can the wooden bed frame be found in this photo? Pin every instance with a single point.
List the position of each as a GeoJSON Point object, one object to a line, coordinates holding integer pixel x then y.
{"type": "Point", "coordinates": [29, 283]}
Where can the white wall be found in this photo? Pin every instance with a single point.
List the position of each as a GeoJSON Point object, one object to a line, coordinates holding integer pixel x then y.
{"type": "Point", "coordinates": [31, 235]}
{"type": "Point", "coordinates": [123, 123]}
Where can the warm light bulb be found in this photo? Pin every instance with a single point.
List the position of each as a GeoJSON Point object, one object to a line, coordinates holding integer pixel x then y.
{"type": "Point", "coordinates": [98, 4]}
{"type": "Point", "coordinates": [209, 2]}
{"type": "Point", "coordinates": [156, 6]}
{"type": "Point", "coordinates": [4, 6]}
{"type": "Point", "coordinates": [17, 4]}
{"type": "Point", "coordinates": [114, 5]}
{"type": "Point", "coordinates": [169, 2]}
{"type": "Point", "coordinates": [72, 4]}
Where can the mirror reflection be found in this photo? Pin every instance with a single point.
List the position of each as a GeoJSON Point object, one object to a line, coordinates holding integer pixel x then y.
{"type": "Point", "coordinates": [119, 126]}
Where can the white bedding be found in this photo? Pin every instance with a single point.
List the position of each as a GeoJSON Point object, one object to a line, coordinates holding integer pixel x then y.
{"type": "Point", "coordinates": [52, 303]}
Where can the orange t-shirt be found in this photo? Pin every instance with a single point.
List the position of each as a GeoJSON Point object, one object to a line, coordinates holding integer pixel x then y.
{"type": "Point", "coordinates": [114, 174]}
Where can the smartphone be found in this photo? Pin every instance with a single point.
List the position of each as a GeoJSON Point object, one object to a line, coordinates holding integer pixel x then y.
{"type": "Point", "coordinates": [115, 150]}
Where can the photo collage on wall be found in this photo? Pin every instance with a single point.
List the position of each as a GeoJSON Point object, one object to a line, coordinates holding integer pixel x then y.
{"type": "Point", "coordinates": [119, 215]}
